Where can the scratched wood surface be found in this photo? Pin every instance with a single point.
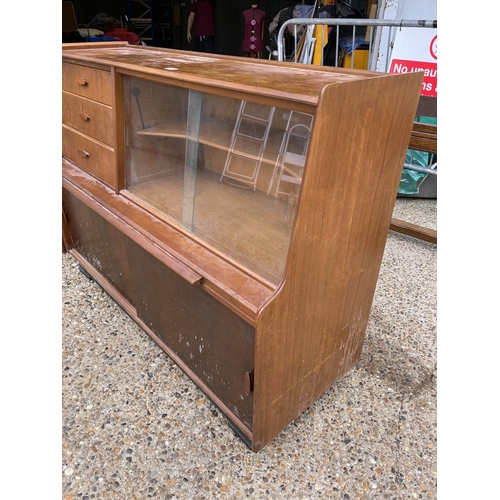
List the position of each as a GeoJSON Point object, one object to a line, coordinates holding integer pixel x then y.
{"type": "Point", "coordinates": [280, 346]}
{"type": "Point", "coordinates": [311, 333]}
{"type": "Point", "coordinates": [260, 77]}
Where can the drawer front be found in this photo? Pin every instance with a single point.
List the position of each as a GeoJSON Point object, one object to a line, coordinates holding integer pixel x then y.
{"type": "Point", "coordinates": [91, 83]}
{"type": "Point", "coordinates": [90, 117]}
{"type": "Point", "coordinates": [94, 157]}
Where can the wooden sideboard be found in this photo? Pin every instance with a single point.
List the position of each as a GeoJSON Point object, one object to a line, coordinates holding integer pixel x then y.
{"type": "Point", "coordinates": [237, 210]}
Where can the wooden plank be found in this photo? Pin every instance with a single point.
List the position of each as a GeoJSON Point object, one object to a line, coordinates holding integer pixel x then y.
{"type": "Point", "coordinates": [118, 130]}
{"type": "Point", "coordinates": [420, 232]}
{"type": "Point", "coordinates": [424, 137]}
{"type": "Point", "coordinates": [213, 138]}
{"type": "Point", "coordinates": [91, 45]}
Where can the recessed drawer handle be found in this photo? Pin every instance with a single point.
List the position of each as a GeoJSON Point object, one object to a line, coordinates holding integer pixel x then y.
{"type": "Point", "coordinates": [81, 81]}
{"type": "Point", "coordinates": [248, 384]}
{"type": "Point", "coordinates": [84, 117]}
{"type": "Point", "coordinates": [82, 153]}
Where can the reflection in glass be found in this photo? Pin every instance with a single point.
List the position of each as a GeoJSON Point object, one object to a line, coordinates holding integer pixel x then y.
{"type": "Point", "coordinates": [227, 170]}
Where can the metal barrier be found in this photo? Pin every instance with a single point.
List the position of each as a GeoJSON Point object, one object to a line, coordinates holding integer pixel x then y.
{"type": "Point", "coordinates": [376, 39]}
{"type": "Point", "coordinates": [381, 35]}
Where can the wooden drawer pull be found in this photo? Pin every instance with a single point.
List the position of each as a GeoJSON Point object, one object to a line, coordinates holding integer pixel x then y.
{"type": "Point", "coordinates": [81, 81]}
{"type": "Point", "coordinates": [84, 117]}
{"type": "Point", "coordinates": [82, 153]}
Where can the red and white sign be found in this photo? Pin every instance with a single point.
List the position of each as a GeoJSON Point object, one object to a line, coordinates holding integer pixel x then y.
{"type": "Point", "coordinates": [415, 49]}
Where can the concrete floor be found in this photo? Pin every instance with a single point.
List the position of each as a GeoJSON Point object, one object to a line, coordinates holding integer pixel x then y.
{"type": "Point", "coordinates": [135, 427]}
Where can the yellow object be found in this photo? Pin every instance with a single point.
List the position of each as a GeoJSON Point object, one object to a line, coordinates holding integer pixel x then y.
{"type": "Point", "coordinates": [360, 59]}
{"type": "Point", "coordinates": [321, 35]}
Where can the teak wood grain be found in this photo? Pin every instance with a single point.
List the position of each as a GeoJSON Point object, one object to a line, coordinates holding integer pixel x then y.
{"type": "Point", "coordinates": [337, 246]}
{"type": "Point", "coordinates": [424, 137]}
{"type": "Point", "coordinates": [87, 82]}
{"type": "Point", "coordinates": [240, 427]}
{"type": "Point", "coordinates": [271, 350]}
{"type": "Point", "coordinates": [94, 157]}
{"type": "Point", "coordinates": [223, 74]}
{"type": "Point", "coordinates": [152, 291]}
{"type": "Point", "coordinates": [89, 117]}
{"type": "Point", "coordinates": [414, 230]}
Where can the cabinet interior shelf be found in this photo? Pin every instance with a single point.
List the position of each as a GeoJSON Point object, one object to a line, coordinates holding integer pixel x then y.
{"type": "Point", "coordinates": [215, 139]}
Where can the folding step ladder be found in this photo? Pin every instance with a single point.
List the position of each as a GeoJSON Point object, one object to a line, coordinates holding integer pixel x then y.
{"type": "Point", "coordinates": [291, 159]}
{"type": "Point", "coordinates": [248, 144]}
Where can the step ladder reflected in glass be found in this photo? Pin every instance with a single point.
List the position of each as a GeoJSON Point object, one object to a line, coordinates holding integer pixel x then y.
{"type": "Point", "coordinates": [248, 144]}
{"type": "Point", "coordinates": [289, 168]}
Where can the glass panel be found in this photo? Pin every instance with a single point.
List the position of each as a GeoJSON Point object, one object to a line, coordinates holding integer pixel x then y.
{"type": "Point", "coordinates": [228, 170]}
{"type": "Point", "coordinates": [191, 161]}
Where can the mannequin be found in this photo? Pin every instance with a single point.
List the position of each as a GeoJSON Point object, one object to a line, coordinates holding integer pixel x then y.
{"type": "Point", "coordinates": [253, 43]}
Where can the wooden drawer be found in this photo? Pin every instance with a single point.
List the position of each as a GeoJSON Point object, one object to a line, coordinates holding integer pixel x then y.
{"type": "Point", "coordinates": [91, 83]}
{"type": "Point", "coordinates": [94, 157]}
{"type": "Point", "coordinates": [90, 117]}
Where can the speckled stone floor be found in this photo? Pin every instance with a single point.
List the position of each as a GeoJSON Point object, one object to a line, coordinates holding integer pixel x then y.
{"type": "Point", "coordinates": [135, 427]}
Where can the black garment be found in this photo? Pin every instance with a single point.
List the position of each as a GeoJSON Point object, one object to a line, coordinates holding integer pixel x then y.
{"type": "Point", "coordinates": [205, 43]}
{"type": "Point", "coordinates": [285, 15]}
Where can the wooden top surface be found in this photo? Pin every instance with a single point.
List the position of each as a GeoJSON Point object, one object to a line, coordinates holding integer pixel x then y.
{"type": "Point", "coordinates": [259, 76]}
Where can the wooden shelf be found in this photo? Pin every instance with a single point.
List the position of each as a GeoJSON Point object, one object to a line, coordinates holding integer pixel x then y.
{"type": "Point", "coordinates": [212, 138]}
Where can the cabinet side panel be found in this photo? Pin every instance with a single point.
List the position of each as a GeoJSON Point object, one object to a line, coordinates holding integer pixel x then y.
{"type": "Point", "coordinates": [312, 332]}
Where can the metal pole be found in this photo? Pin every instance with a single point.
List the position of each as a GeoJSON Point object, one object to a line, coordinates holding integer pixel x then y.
{"type": "Point", "coordinates": [401, 23]}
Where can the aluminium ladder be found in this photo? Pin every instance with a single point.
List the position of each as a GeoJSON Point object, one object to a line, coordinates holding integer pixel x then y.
{"type": "Point", "coordinates": [248, 144]}
{"type": "Point", "coordinates": [292, 154]}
